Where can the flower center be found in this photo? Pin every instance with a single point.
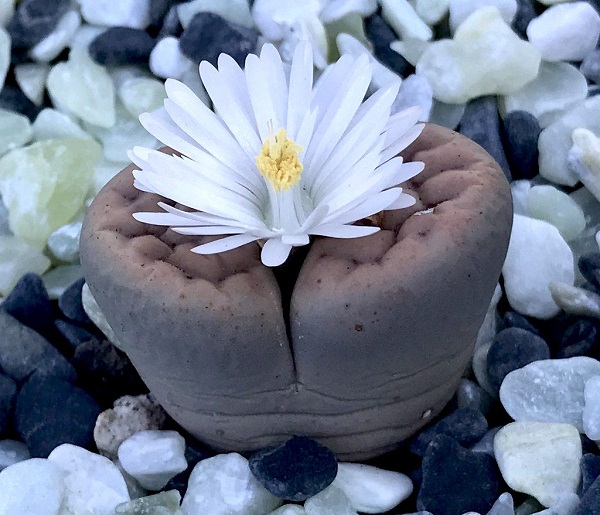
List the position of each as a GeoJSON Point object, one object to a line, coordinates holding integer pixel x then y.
{"type": "Point", "coordinates": [278, 161]}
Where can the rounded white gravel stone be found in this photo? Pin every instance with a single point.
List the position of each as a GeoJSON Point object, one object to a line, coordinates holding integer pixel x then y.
{"type": "Point", "coordinates": [460, 10]}
{"type": "Point", "coordinates": [11, 452]}
{"type": "Point", "coordinates": [167, 59]}
{"type": "Point", "coordinates": [124, 13]}
{"type": "Point", "coordinates": [591, 409]}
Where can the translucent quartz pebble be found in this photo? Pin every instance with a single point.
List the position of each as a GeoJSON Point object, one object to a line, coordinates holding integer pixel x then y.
{"type": "Point", "coordinates": [141, 94]}
{"type": "Point", "coordinates": [153, 457]}
{"type": "Point", "coordinates": [64, 242]}
{"type": "Point", "coordinates": [557, 86]}
{"type": "Point", "coordinates": [539, 459]}
{"type": "Point", "coordinates": [93, 484]}
{"type": "Point", "coordinates": [224, 485]}
{"type": "Point", "coordinates": [591, 409]}
{"type": "Point", "coordinates": [15, 130]}
{"type": "Point", "coordinates": [4, 55]}
{"type": "Point", "coordinates": [52, 124]}
{"type": "Point", "coordinates": [31, 78]}
{"type": "Point", "coordinates": [555, 140]}
{"type": "Point", "coordinates": [556, 207]}
{"type": "Point", "coordinates": [54, 43]}
{"type": "Point", "coordinates": [402, 17]}
{"type": "Point", "coordinates": [11, 452]}
{"type": "Point", "coordinates": [537, 254]}
{"type": "Point", "coordinates": [84, 89]}
{"type": "Point", "coordinates": [62, 172]}
{"type": "Point", "coordinates": [18, 257]}
{"type": "Point", "coordinates": [60, 278]}
{"type": "Point", "coordinates": [370, 489]}
{"type": "Point", "coordinates": [460, 10]}
{"type": "Point", "coordinates": [95, 313]}
{"type": "Point", "coordinates": [163, 503]}
{"type": "Point", "coordinates": [234, 11]}
{"type": "Point", "coordinates": [460, 69]}
{"type": "Point", "coordinates": [550, 390]}
{"type": "Point", "coordinates": [331, 501]}
{"type": "Point", "coordinates": [574, 300]}
{"type": "Point", "coordinates": [32, 486]}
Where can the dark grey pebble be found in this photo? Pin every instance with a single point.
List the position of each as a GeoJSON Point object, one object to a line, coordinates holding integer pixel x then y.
{"type": "Point", "coordinates": [105, 372]}
{"type": "Point", "coordinates": [171, 25]}
{"type": "Point", "coordinates": [158, 10]}
{"type": "Point", "coordinates": [381, 35]}
{"type": "Point", "coordinates": [590, 470]}
{"type": "Point", "coordinates": [120, 46]}
{"type": "Point", "coordinates": [70, 303]}
{"type": "Point", "coordinates": [481, 123]}
{"type": "Point", "coordinates": [24, 351]}
{"type": "Point", "coordinates": [34, 20]}
{"type": "Point", "coordinates": [589, 266]}
{"type": "Point", "coordinates": [470, 395]}
{"type": "Point", "coordinates": [50, 411]}
{"type": "Point", "coordinates": [296, 469]}
{"type": "Point", "coordinates": [590, 500]}
{"type": "Point", "coordinates": [8, 391]}
{"type": "Point", "coordinates": [13, 99]}
{"type": "Point", "coordinates": [590, 66]}
{"type": "Point", "coordinates": [521, 134]}
{"type": "Point", "coordinates": [513, 348]}
{"type": "Point", "coordinates": [514, 319]}
{"type": "Point", "coordinates": [74, 334]}
{"type": "Point", "coordinates": [457, 480]}
{"type": "Point", "coordinates": [579, 339]}
{"type": "Point", "coordinates": [29, 303]}
{"type": "Point", "coordinates": [208, 35]}
{"type": "Point", "coordinates": [525, 13]}
{"type": "Point", "coordinates": [465, 425]}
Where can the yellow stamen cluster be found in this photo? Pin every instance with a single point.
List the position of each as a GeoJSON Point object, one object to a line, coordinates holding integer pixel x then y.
{"type": "Point", "coordinates": [278, 161]}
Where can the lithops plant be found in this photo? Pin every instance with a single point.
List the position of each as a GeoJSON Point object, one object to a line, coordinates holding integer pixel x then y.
{"type": "Point", "coordinates": [356, 342]}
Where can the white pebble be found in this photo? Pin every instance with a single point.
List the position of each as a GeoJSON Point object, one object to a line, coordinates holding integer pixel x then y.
{"type": "Point", "coordinates": [415, 90]}
{"type": "Point", "coordinates": [18, 257]}
{"type": "Point", "coordinates": [539, 459]}
{"type": "Point", "coordinates": [504, 505]}
{"type": "Point", "coordinates": [537, 254]}
{"type": "Point", "coordinates": [331, 501]}
{"type": "Point", "coordinates": [84, 36]}
{"type": "Point", "coordinates": [32, 487]}
{"type": "Point", "coordinates": [15, 130]}
{"type": "Point", "coordinates": [234, 11]}
{"type": "Point", "coordinates": [565, 32]}
{"type": "Point", "coordinates": [584, 159]}
{"type": "Point", "coordinates": [7, 10]}
{"type": "Point", "coordinates": [411, 49]}
{"type": "Point", "coordinates": [141, 95]}
{"type": "Point", "coordinates": [574, 300]}
{"type": "Point", "coordinates": [548, 203]}
{"type": "Point", "coordinates": [31, 78]}
{"type": "Point", "coordinates": [124, 13]}
{"type": "Point", "coordinates": [52, 124]}
{"type": "Point", "coordinates": [566, 505]}
{"type": "Point", "coordinates": [289, 509]}
{"type": "Point", "coordinates": [167, 60]}
{"type": "Point", "coordinates": [4, 55]}
{"type": "Point", "coordinates": [557, 86]}
{"type": "Point", "coordinates": [591, 409]}
{"type": "Point", "coordinates": [224, 485]}
{"type": "Point", "coordinates": [402, 17]}
{"type": "Point", "coordinates": [432, 11]}
{"type": "Point", "coordinates": [55, 42]}
{"type": "Point", "coordinates": [460, 69]}
{"type": "Point", "coordinates": [334, 10]}
{"type": "Point", "coordinates": [520, 193]}
{"type": "Point", "coordinates": [370, 489]}
{"type": "Point", "coordinates": [92, 310]}
{"type": "Point", "coordinates": [153, 457]}
{"type": "Point", "coordinates": [460, 10]}
{"type": "Point", "coordinates": [64, 241]}
{"type": "Point", "coordinates": [11, 452]}
{"type": "Point", "coordinates": [550, 390]}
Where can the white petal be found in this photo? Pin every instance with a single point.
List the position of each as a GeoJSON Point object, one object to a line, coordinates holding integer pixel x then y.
{"type": "Point", "coordinates": [374, 204]}
{"type": "Point", "coordinates": [344, 231]}
{"type": "Point", "coordinates": [204, 218]}
{"type": "Point", "coordinates": [399, 145]}
{"type": "Point", "coordinates": [407, 170]}
{"type": "Point", "coordinates": [404, 200]}
{"type": "Point", "coordinates": [301, 81]}
{"type": "Point", "coordinates": [263, 106]}
{"type": "Point", "coordinates": [275, 252]}
{"type": "Point", "coordinates": [275, 80]}
{"type": "Point", "coordinates": [398, 124]}
{"type": "Point", "coordinates": [296, 240]}
{"type": "Point", "coordinates": [209, 230]}
{"type": "Point", "coordinates": [224, 244]}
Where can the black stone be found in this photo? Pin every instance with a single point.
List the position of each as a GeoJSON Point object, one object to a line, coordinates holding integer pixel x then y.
{"type": "Point", "coordinates": [470, 395]}
{"type": "Point", "coordinates": [23, 351]}
{"type": "Point", "coordinates": [51, 411]}
{"type": "Point", "coordinates": [521, 134]}
{"type": "Point", "coordinates": [13, 99]}
{"type": "Point", "coordinates": [513, 348]}
{"type": "Point", "coordinates": [525, 13]}
{"type": "Point", "coordinates": [34, 20]}
{"type": "Point", "coordinates": [589, 266]}
{"type": "Point", "coordinates": [105, 372]}
{"type": "Point", "coordinates": [590, 500]}
{"type": "Point", "coordinates": [466, 426]}
{"type": "Point", "coordinates": [70, 303]}
{"type": "Point", "coordinates": [456, 480]}
{"type": "Point", "coordinates": [208, 35]}
{"type": "Point", "coordinates": [481, 123]}
{"type": "Point", "coordinates": [74, 335]}
{"type": "Point", "coordinates": [8, 391]}
{"type": "Point", "coordinates": [121, 45]}
{"type": "Point", "coordinates": [296, 469]}
{"type": "Point", "coordinates": [514, 319]}
{"type": "Point", "coordinates": [590, 471]}
{"type": "Point", "coordinates": [579, 339]}
{"type": "Point", "coordinates": [193, 456]}
{"type": "Point", "coordinates": [158, 10]}
{"type": "Point", "coordinates": [590, 66]}
{"type": "Point", "coordinates": [381, 35]}
{"type": "Point", "coordinates": [29, 303]}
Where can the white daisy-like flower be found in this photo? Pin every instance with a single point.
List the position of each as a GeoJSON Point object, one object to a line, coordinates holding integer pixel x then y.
{"type": "Point", "coordinates": [281, 159]}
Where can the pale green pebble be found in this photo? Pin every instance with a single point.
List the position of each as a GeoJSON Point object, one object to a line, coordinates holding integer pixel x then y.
{"type": "Point", "coordinates": [15, 130]}
{"type": "Point", "coordinates": [64, 242]}
{"type": "Point", "coordinates": [401, 16]}
{"type": "Point", "coordinates": [351, 23]}
{"type": "Point", "coordinates": [556, 207]}
{"type": "Point", "coordinates": [58, 279]}
{"type": "Point", "coordinates": [4, 55]}
{"type": "Point", "coordinates": [90, 306]}
{"type": "Point", "coordinates": [31, 78]}
{"type": "Point", "coordinates": [331, 501]}
{"type": "Point", "coordinates": [17, 257]}
{"type": "Point", "coordinates": [142, 94]}
{"type": "Point", "coordinates": [410, 48]}
{"type": "Point", "coordinates": [84, 89]}
{"type": "Point", "coordinates": [574, 300]}
{"type": "Point", "coordinates": [52, 124]}
{"type": "Point", "coordinates": [45, 184]}
{"type": "Point", "coordinates": [289, 509]}
{"type": "Point", "coordinates": [163, 503]}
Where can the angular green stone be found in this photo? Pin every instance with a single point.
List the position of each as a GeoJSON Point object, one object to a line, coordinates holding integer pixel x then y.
{"type": "Point", "coordinates": [163, 503]}
{"type": "Point", "coordinates": [44, 185]}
